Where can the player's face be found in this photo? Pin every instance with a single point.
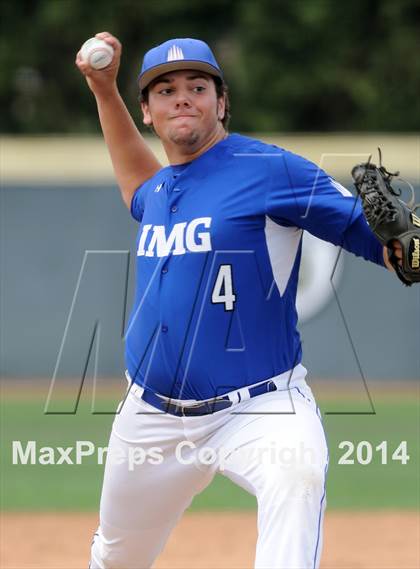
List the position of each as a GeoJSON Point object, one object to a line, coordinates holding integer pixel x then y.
{"type": "Point", "coordinates": [184, 109]}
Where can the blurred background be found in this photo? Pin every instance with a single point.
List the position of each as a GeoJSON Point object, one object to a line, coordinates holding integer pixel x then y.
{"type": "Point", "coordinates": [329, 80]}
{"type": "Point", "coordinates": [309, 65]}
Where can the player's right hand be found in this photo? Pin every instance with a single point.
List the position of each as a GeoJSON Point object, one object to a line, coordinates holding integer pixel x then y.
{"type": "Point", "coordinates": [102, 81]}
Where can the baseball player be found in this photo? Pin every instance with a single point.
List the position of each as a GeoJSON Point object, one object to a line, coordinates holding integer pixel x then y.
{"type": "Point", "coordinates": [214, 360]}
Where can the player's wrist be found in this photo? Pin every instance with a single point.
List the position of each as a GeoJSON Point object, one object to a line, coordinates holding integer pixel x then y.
{"type": "Point", "coordinates": [105, 93]}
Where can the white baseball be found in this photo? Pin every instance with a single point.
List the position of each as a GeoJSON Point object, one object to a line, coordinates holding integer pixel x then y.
{"type": "Point", "coordinates": [97, 53]}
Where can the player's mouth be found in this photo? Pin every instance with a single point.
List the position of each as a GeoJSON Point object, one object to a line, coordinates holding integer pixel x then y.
{"type": "Point", "coordinates": [182, 116]}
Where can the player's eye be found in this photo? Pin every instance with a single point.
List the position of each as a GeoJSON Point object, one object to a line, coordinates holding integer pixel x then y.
{"type": "Point", "coordinates": [165, 91]}
{"type": "Point", "coordinates": [199, 88]}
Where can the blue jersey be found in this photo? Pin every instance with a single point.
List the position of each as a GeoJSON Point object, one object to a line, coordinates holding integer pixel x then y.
{"type": "Point", "coordinates": [218, 253]}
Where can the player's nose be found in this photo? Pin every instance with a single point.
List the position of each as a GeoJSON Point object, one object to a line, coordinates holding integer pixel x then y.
{"type": "Point", "coordinates": [182, 98]}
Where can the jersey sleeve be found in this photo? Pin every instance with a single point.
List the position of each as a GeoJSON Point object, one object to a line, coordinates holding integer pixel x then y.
{"type": "Point", "coordinates": [303, 195]}
{"type": "Point", "coordinates": [137, 204]}
{"type": "Point", "coordinates": [361, 241]}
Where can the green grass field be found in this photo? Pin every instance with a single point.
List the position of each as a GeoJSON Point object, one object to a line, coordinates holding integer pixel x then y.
{"type": "Point", "coordinates": [77, 487]}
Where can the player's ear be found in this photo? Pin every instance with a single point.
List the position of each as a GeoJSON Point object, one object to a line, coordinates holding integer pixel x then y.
{"type": "Point", "coordinates": [147, 118]}
{"type": "Point", "coordinates": [221, 107]}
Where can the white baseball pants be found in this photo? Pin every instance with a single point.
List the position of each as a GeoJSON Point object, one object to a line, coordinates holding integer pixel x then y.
{"type": "Point", "coordinates": [272, 446]}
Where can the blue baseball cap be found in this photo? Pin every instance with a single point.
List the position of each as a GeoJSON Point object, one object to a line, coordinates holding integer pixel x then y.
{"type": "Point", "coordinates": [176, 54]}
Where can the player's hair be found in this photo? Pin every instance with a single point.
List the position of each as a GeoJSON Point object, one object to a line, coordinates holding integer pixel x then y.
{"type": "Point", "coordinates": [222, 90]}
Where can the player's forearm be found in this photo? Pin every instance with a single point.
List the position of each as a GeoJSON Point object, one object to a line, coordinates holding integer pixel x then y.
{"type": "Point", "coordinates": [132, 159]}
{"type": "Point", "coordinates": [359, 240]}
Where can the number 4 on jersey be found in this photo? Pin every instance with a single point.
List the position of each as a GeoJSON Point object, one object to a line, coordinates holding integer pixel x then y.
{"type": "Point", "coordinates": [223, 288]}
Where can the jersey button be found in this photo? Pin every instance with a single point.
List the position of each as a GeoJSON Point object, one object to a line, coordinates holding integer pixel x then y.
{"type": "Point", "coordinates": [164, 329]}
{"type": "Point", "coordinates": [164, 270]}
{"type": "Point", "coordinates": [174, 209]}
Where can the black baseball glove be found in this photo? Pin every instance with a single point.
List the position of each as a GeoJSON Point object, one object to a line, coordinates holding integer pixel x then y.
{"type": "Point", "coordinates": [390, 218]}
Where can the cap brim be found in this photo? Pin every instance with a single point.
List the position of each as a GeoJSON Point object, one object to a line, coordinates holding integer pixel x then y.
{"type": "Point", "coordinates": [153, 72]}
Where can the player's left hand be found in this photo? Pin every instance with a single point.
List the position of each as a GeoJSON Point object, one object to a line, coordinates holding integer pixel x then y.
{"type": "Point", "coordinates": [398, 253]}
{"type": "Point", "coordinates": [392, 220]}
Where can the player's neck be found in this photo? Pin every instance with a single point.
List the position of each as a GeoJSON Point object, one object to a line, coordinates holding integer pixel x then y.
{"type": "Point", "coordinates": [180, 154]}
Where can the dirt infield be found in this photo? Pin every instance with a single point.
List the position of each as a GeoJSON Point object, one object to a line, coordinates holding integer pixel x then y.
{"type": "Point", "coordinates": [365, 540]}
